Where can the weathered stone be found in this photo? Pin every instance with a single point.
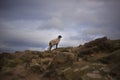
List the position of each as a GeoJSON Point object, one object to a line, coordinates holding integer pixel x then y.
{"type": "Point", "coordinates": [105, 69]}
{"type": "Point", "coordinates": [66, 69]}
{"type": "Point", "coordinates": [96, 71]}
{"type": "Point", "coordinates": [64, 58]}
{"type": "Point", "coordinates": [75, 70]}
{"type": "Point", "coordinates": [85, 67]}
{"type": "Point", "coordinates": [94, 75]}
{"type": "Point", "coordinates": [34, 62]}
{"type": "Point", "coordinates": [72, 75]}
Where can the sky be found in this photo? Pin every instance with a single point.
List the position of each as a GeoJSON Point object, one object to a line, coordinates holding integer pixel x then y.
{"type": "Point", "coordinates": [31, 24]}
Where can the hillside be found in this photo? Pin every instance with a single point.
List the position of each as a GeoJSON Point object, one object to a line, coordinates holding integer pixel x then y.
{"type": "Point", "coordinates": [95, 60]}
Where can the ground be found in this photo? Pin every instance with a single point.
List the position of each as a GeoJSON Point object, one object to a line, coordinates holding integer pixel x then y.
{"type": "Point", "coordinates": [95, 60]}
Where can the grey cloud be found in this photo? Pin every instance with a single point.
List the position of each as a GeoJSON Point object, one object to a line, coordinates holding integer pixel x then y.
{"type": "Point", "coordinates": [35, 22]}
{"type": "Point", "coordinates": [53, 23]}
{"type": "Point", "coordinates": [20, 9]}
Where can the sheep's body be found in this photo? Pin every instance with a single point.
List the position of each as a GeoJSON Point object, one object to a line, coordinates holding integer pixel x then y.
{"type": "Point", "coordinates": [54, 42]}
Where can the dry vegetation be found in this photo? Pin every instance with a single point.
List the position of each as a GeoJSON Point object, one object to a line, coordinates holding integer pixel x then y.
{"type": "Point", "coordinates": [95, 60]}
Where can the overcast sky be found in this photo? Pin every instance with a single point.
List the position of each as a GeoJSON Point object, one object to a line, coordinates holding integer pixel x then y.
{"type": "Point", "coordinates": [30, 24]}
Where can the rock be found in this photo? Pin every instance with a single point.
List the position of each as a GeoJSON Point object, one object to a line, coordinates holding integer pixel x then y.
{"type": "Point", "coordinates": [85, 67]}
{"type": "Point", "coordinates": [94, 75]}
{"type": "Point", "coordinates": [72, 75]}
{"type": "Point", "coordinates": [66, 69]}
{"type": "Point", "coordinates": [64, 58]}
{"type": "Point", "coordinates": [75, 70]}
{"type": "Point", "coordinates": [96, 72]}
{"type": "Point", "coordinates": [105, 69]}
{"type": "Point", "coordinates": [20, 71]}
{"type": "Point", "coordinates": [80, 59]}
{"type": "Point", "coordinates": [34, 62]}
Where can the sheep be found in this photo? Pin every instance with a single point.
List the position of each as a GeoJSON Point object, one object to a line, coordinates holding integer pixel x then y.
{"type": "Point", "coordinates": [54, 42]}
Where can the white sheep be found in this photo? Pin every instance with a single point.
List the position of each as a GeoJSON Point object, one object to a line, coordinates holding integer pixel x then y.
{"type": "Point", "coordinates": [54, 42]}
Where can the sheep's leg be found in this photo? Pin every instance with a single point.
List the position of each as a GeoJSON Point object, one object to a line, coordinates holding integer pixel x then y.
{"type": "Point", "coordinates": [50, 46]}
{"type": "Point", "coordinates": [56, 46]}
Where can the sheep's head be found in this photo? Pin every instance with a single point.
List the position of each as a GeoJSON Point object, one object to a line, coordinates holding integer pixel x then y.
{"type": "Point", "coordinates": [59, 36]}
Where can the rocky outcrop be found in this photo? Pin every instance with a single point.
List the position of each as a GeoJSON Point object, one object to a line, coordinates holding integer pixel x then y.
{"type": "Point", "coordinates": [95, 60]}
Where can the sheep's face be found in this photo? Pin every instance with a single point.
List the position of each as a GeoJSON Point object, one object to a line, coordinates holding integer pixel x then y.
{"type": "Point", "coordinates": [59, 36]}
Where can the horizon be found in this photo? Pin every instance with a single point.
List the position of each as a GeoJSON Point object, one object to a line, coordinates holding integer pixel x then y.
{"type": "Point", "coordinates": [46, 49]}
{"type": "Point", "coordinates": [31, 24]}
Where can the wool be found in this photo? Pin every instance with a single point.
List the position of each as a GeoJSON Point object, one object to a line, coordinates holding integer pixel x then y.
{"type": "Point", "coordinates": [54, 42]}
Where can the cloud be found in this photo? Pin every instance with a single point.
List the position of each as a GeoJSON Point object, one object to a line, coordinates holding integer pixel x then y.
{"type": "Point", "coordinates": [53, 23]}
{"type": "Point", "coordinates": [30, 24]}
